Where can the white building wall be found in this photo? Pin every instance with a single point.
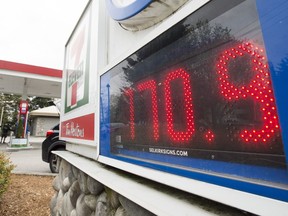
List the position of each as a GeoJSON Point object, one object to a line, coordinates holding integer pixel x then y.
{"type": "Point", "coordinates": [41, 124]}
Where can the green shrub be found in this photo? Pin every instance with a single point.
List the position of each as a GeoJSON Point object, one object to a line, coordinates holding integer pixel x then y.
{"type": "Point", "coordinates": [5, 171]}
{"type": "Point", "coordinates": [20, 129]}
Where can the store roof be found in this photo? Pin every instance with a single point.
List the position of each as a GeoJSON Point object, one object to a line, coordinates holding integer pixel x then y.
{"type": "Point", "coordinates": [51, 111]}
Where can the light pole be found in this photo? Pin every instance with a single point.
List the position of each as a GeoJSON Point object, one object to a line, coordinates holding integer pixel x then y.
{"type": "Point", "coordinates": [2, 112]}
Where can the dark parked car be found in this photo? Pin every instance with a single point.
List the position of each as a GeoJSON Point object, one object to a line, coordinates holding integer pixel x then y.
{"type": "Point", "coordinates": [52, 143]}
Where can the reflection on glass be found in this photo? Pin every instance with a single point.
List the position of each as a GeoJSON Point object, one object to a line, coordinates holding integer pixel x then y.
{"type": "Point", "coordinates": [201, 90]}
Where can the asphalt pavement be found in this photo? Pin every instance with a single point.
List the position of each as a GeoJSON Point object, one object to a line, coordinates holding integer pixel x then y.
{"type": "Point", "coordinates": [27, 160]}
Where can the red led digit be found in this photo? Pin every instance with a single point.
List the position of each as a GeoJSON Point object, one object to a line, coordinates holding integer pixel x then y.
{"type": "Point", "coordinates": [188, 109]}
{"type": "Point", "coordinates": [151, 85]}
{"type": "Point", "coordinates": [130, 94]}
{"type": "Point", "coordinates": [259, 89]}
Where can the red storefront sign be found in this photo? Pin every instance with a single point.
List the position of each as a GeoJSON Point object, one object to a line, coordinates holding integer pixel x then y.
{"type": "Point", "coordinates": [79, 128]}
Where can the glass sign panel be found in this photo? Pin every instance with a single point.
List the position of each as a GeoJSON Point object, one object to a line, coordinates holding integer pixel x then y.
{"type": "Point", "coordinates": [198, 101]}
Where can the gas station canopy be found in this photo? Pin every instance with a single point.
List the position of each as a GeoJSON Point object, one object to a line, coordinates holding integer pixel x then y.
{"type": "Point", "coordinates": [29, 80]}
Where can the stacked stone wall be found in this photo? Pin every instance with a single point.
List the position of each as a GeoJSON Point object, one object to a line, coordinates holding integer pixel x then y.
{"type": "Point", "coordinates": [77, 194]}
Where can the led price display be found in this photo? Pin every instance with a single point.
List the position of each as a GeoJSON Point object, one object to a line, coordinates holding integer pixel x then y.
{"type": "Point", "coordinates": [199, 96]}
{"type": "Point", "coordinates": [258, 90]}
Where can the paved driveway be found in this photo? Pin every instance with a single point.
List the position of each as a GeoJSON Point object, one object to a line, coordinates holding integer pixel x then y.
{"type": "Point", "coordinates": [28, 161]}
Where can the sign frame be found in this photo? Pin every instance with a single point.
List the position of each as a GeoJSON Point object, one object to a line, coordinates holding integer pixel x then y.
{"type": "Point", "coordinates": [72, 128]}
{"type": "Point", "coordinates": [191, 185]}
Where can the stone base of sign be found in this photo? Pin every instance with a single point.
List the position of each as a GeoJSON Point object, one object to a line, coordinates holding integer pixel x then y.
{"type": "Point", "coordinates": [87, 187]}
{"type": "Point", "coordinates": [79, 194]}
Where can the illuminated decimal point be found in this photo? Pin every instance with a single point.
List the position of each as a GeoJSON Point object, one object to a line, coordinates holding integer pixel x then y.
{"type": "Point", "coordinates": [130, 94]}
{"type": "Point", "coordinates": [209, 136]}
{"type": "Point", "coordinates": [151, 85]}
{"type": "Point", "coordinates": [259, 89]}
{"type": "Point", "coordinates": [186, 135]}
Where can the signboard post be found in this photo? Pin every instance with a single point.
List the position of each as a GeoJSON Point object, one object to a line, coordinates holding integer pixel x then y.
{"type": "Point", "coordinates": [21, 140]}
{"type": "Point", "coordinates": [196, 102]}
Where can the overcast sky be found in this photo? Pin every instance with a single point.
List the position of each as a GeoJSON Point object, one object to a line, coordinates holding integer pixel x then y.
{"type": "Point", "coordinates": [35, 31]}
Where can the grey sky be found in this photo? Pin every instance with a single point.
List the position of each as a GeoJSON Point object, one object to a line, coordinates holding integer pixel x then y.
{"type": "Point", "coordinates": [36, 31]}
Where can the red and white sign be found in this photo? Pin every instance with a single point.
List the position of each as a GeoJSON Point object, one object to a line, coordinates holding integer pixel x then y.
{"type": "Point", "coordinates": [79, 128]}
{"type": "Point", "coordinates": [23, 107]}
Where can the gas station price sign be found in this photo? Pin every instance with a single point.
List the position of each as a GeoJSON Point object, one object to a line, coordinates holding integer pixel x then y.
{"type": "Point", "coordinates": [197, 101]}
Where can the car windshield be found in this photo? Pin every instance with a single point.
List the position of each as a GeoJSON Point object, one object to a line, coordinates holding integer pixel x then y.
{"type": "Point", "coordinates": [56, 127]}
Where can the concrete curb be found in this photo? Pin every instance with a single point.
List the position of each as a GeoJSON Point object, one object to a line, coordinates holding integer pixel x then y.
{"type": "Point", "coordinates": [35, 173]}
{"type": "Point", "coordinates": [19, 148]}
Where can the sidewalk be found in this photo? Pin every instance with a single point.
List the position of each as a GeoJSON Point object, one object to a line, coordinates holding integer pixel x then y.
{"type": "Point", "coordinates": [28, 160]}
{"type": "Point", "coordinates": [34, 141]}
